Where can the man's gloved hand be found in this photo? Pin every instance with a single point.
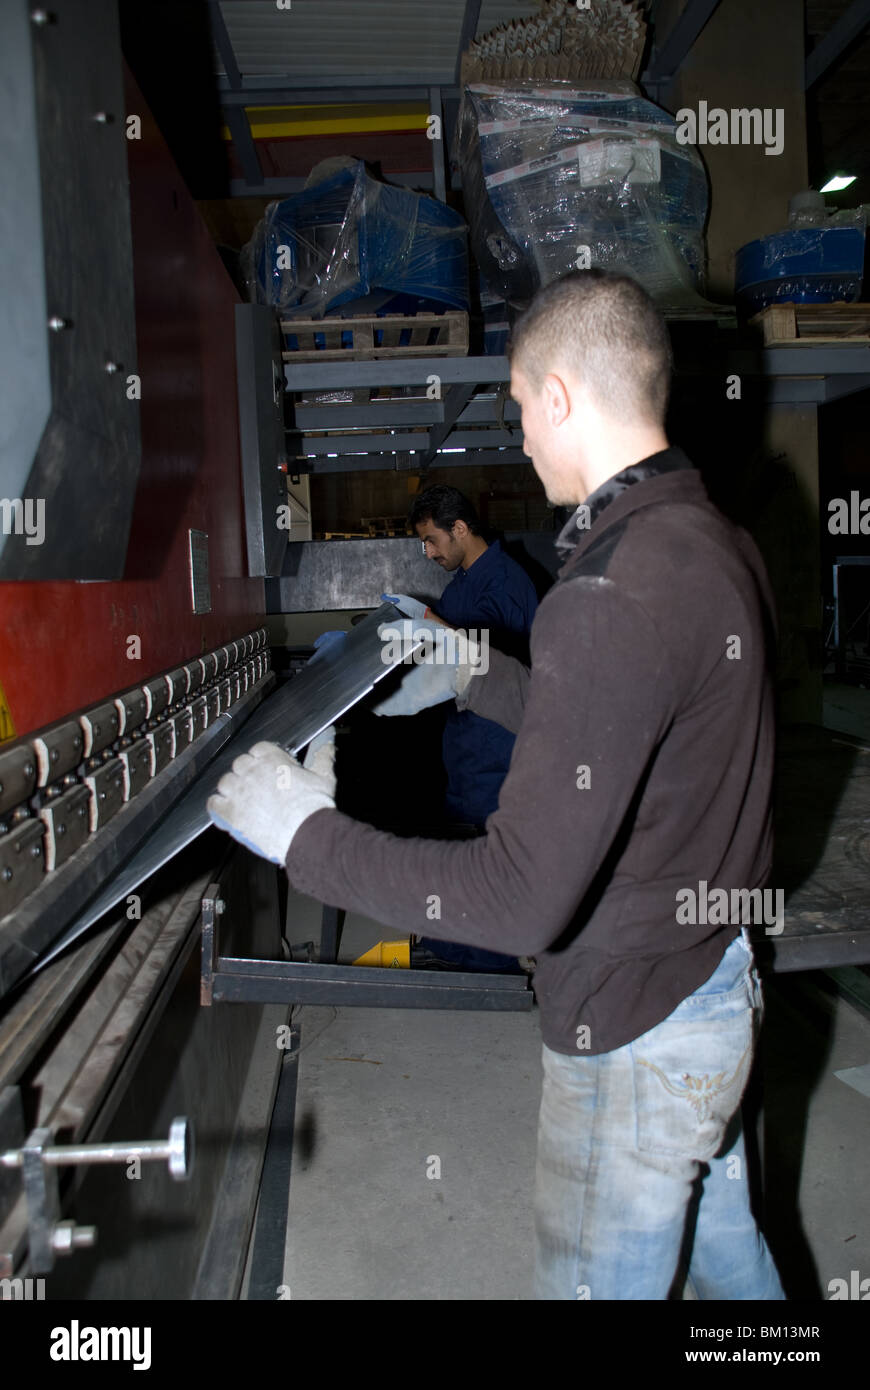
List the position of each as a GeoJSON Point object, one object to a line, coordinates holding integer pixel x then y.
{"type": "Point", "coordinates": [268, 795]}
{"type": "Point", "coordinates": [411, 607]}
{"type": "Point", "coordinates": [441, 669]}
{"type": "Point", "coordinates": [332, 640]}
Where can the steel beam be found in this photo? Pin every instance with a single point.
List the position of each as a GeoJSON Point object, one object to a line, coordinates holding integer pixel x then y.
{"type": "Point", "coordinates": [834, 44]}
{"type": "Point", "coordinates": [391, 413]}
{"type": "Point", "coordinates": [838, 386]}
{"type": "Point", "coordinates": [470, 21]}
{"type": "Point", "coordinates": [288, 982]}
{"type": "Point", "coordinates": [669, 56]}
{"type": "Point", "coordinates": [439, 178]}
{"type": "Point", "coordinates": [280, 187]}
{"type": "Point", "coordinates": [270, 1235]}
{"type": "Point", "coordinates": [224, 46]}
{"type": "Point", "coordinates": [408, 442]}
{"type": "Point", "coordinates": [271, 91]}
{"type": "Point", "coordinates": [455, 402]}
{"type": "Point", "coordinates": [240, 129]}
{"type": "Point", "coordinates": [406, 463]}
{"type": "Point", "coordinates": [413, 371]}
{"type": "Point", "coordinates": [236, 117]}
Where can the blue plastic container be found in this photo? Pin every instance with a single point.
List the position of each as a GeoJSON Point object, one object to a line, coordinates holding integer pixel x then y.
{"type": "Point", "coordinates": [811, 265]}
{"type": "Point", "coordinates": [350, 235]}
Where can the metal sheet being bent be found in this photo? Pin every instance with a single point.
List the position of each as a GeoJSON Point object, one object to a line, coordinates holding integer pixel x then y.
{"type": "Point", "coordinates": [332, 682]}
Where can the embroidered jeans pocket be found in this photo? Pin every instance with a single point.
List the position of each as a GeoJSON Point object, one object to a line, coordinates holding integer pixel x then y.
{"type": "Point", "coordinates": [689, 1077]}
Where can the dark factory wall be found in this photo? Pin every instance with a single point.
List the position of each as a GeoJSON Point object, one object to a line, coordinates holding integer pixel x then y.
{"type": "Point", "coordinates": [64, 645]}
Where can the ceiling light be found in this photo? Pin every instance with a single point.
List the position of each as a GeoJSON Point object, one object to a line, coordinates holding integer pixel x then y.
{"type": "Point", "coordinates": [838, 183]}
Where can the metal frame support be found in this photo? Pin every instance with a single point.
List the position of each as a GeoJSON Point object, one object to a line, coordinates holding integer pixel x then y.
{"type": "Point", "coordinates": [669, 56]}
{"type": "Point", "coordinates": [470, 21]}
{"type": "Point", "coordinates": [406, 463]}
{"type": "Point", "coordinates": [834, 44]}
{"type": "Point", "coordinates": [455, 401]}
{"type": "Point", "coordinates": [270, 1234]}
{"type": "Point", "coordinates": [278, 186]}
{"type": "Point", "coordinates": [439, 176]}
{"type": "Point", "coordinates": [235, 115]}
{"type": "Point", "coordinates": [272, 91]}
{"type": "Point", "coordinates": [227, 979]}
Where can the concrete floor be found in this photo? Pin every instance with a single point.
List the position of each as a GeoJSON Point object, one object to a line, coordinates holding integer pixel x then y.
{"type": "Point", "coordinates": [383, 1093]}
{"type": "Point", "coordinates": [387, 1096]}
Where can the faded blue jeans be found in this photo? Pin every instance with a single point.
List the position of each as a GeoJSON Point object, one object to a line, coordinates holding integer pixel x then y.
{"type": "Point", "coordinates": [626, 1140]}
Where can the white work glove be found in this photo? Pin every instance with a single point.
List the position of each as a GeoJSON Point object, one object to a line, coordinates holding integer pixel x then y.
{"type": "Point", "coordinates": [268, 795]}
{"type": "Point", "coordinates": [411, 607]}
{"type": "Point", "coordinates": [441, 669]}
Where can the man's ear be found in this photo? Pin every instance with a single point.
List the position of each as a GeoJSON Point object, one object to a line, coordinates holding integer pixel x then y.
{"type": "Point", "coordinates": [556, 401]}
{"type": "Point", "coordinates": [459, 530]}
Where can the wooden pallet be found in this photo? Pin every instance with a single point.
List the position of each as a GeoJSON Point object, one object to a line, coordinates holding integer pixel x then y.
{"type": "Point", "coordinates": [369, 337]}
{"type": "Point", "coordinates": [816, 323]}
{"type": "Point", "coordinates": [385, 525]}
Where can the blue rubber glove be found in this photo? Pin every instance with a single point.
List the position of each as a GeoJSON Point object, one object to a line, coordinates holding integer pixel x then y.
{"type": "Point", "coordinates": [268, 795]}
{"type": "Point", "coordinates": [411, 607]}
{"type": "Point", "coordinates": [440, 671]}
{"type": "Point", "coordinates": [328, 643]}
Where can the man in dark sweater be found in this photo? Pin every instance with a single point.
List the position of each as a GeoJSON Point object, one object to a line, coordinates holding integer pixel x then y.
{"type": "Point", "coordinates": [639, 790]}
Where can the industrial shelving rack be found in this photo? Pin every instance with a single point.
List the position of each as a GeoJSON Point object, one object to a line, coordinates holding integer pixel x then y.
{"type": "Point", "coordinates": [473, 422]}
{"type": "Point", "coordinates": [406, 429]}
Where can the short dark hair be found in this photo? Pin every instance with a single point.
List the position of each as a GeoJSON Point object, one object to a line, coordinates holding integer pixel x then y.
{"type": "Point", "coordinates": [444, 506]}
{"type": "Point", "coordinates": [607, 329]}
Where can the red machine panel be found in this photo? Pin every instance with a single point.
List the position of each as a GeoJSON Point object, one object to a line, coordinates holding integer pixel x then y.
{"type": "Point", "coordinates": [64, 645]}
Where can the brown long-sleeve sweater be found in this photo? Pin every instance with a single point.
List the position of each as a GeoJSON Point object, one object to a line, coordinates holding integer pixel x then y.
{"type": "Point", "coordinates": [642, 767]}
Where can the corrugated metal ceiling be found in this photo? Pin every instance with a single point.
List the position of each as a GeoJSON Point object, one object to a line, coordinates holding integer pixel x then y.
{"type": "Point", "coordinates": [403, 40]}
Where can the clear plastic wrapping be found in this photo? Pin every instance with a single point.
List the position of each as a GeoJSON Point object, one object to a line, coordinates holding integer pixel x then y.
{"type": "Point", "coordinates": [817, 263]}
{"type": "Point", "coordinates": [347, 236]}
{"type": "Point", "coordinates": [551, 170]}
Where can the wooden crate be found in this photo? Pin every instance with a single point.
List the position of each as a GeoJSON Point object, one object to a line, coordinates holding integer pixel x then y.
{"type": "Point", "coordinates": [816, 323]}
{"type": "Point", "coordinates": [366, 337]}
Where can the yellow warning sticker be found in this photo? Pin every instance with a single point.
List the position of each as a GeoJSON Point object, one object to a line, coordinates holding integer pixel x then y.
{"type": "Point", "coordinates": [7, 727]}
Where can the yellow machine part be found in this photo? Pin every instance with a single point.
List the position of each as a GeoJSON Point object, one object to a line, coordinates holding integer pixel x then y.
{"type": "Point", "coordinates": [289, 122]}
{"type": "Point", "coordinates": [395, 955]}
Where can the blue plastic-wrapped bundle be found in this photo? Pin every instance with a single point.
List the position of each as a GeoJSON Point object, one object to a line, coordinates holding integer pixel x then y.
{"type": "Point", "coordinates": [559, 176]}
{"type": "Point", "coordinates": [810, 265]}
{"type": "Point", "coordinates": [347, 236]}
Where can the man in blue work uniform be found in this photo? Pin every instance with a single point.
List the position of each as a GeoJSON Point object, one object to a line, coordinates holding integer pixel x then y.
{"type": "Point", "coordinates": [488, 591]}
